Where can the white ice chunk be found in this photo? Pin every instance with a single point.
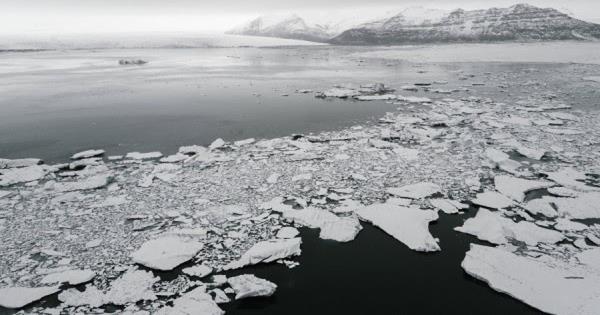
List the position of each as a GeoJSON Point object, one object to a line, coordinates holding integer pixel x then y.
{"type": "Point", "coordinates": [447, 205]}
{"type": "Point", "coordinates": [87, 154]}
{"type": "Point", "coordinates": [341, 229]}
{"type": "Point", "coordinates": [287, 232]}
{"type": "Point", "coordinates": [408, 225]}
{"type": "Point", "coordinates": [89, 183]}
{"type": "Point", "coordinates": [17, 297]}
{"type": "Point", "coordinates": [547, 284]}
{"type": "Point", "coordinates": [415, 191]}
{"type": "Point", "coordinates": [570, 178]}
{"type": "Point", "coordinates": [26, 174]}
{"type": "Point", "coordinates": [167, 252]}
{"type": "Point", "coordinates": [134, 285]}
{"type": "Point", "coordinates": [492, 199]}
{"type": "Point", "coordinates": [200, 271]}
{"type": "Point", "coordinates": [194, 302]}
{"type": "Point", "coordinates": [250, 286]}
{"type": "Point", "coordinates": [494, 228]}
{"type": "Point", "coordinates": [267, 251]}
{"type": "Point", "coordinates": [541, 206]}
{"type": "Point", "coordinates": [8, 163]}
{"type": "Point", "coordinates": [584, 206]}
{"type": "Point", "coordinates": [516, 188]}
{"type": "Point", "coordinates": [144, 156]}
{"type": "Point", "coordinates": [72, 277]}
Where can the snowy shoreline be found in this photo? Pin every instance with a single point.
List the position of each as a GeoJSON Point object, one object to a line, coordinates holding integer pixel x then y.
{"type": "Point", "coordinates": [230, 205]}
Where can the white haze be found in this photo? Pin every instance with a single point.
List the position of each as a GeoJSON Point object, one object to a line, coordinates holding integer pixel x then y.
{"type": "Point", "coordinates": [110, 16]}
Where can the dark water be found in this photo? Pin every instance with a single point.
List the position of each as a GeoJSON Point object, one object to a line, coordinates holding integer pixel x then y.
{"type": "Point", "coordinates": [56, 103]}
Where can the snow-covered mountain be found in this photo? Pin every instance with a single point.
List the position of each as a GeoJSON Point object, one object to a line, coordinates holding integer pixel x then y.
{"type": "Point", "coordinates": [518, 22]}
{"type": "Point", "coordinates": [423, 25]}
{"type": "Point", "coordinates": [315, 27]}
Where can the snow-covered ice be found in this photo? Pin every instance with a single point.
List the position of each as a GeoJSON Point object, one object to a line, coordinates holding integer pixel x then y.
{"type": "Point", "coordinates": [251, 286]}
{"type": "Point", "coordinates": [408, 225]}
{"type": "Point", "coordinates": [166, 253]}
{"type": "Point", "coordinates": [17, 297]}
{"type": "Point", "coordinates": [267, 251]}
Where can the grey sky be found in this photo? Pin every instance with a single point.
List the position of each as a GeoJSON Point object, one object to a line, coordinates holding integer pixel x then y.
{"type": "Point", "coordinates": [204, 15]}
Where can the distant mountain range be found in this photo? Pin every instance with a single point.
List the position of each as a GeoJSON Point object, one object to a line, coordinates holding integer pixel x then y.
{"type": "Point", "coordinates": [521, 22]}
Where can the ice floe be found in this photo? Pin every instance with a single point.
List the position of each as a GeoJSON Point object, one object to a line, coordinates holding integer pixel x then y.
{"type": "Point", "coordinates": [196, 301]}
{"type": "Point", "coordinates": [267, 251]}
{"type": "Point", "coordinates": [17, 297]}
{"type": "Point", "coordinates": [166, 253]}
{"type": "Point", "coordinates": [408, 225]}
{"type": "Point", "coordinates": [415, 191]}
{"type": "Point", "coordinates": [251, 286]}
{"type": "Point", "coordinates": [546, 283]}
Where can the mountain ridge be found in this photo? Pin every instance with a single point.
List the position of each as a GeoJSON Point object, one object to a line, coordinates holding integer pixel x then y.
{"type": "Point", "coordinates": [418, 25]}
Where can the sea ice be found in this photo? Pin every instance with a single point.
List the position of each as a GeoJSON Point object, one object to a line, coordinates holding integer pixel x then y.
{"type": "Point", "coordinates": [287, 232]}
{"type": "Point", "coordinates": [194, 302]}
{"type": "Point", "coordinates": [267, 251]}
{"type": "Point", "coordinates": [17, 297]}
{"type": "Point", "coordinates": [251, 286]}
{"type": "Point", "coordinates": [415, 191]}
{"type": "Point", "coordinates": [200, 271]}
{"type": "Point", "coordinates": [516, 188]}
{"type": "Point", "coordinates": [494, 228]}
{"type": "Point", "coordinates": [166, 253]}
{"type": "Point", "coordinates": [408, 225]}
{"type": "Point", "coordinates": [8, 163]}
{"type": "Point", "coordinates": [447, 205]}
{"type": "Point", "coordinates": [546, 283]}
{"type": "Point", "coordinates": [25, 174]}
{"type": "Point", "coordinates": [492, 199]}
{"type": "Point", "coordinates": [143, 156]}
{"type": "Point", "coordinates": [72, 277]}
{"type": "Point", "coordinates": [87, 154]}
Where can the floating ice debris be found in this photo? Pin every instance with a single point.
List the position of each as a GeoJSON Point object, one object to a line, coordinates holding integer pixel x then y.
{"type": "Point", "coordinates": [251, 286]}
{"type": "Point", "coordinates": [516, 188]}
{"type": "Point", "coordinates": [541, 206]}
{"type": "Point", "coordinates": [530, 153]}
{"type": "Point", "coordinates": [584, 206]}
{"type": "Point", "coordinates": [546, 283]}
{"type": "Point", "coordinates": [266, 252]}
{"type": "Point", "coordinates": [166, 253]}
{"type": "Point", "coordinates": [382, 144]}
{"type": "Point", "coordinates": [492, 227]}
{"type": "Point", "coordinates": [592, 79]}
{"type": "Point", "coordinates": [590, 257]}
{"type": "Point", "coordinates": [87, 154]}
{"type": "Point", "coordinates": [415, 191]}
{"type": "Point", "coordinates": [126, 62]}
{"type": "Point", "coordinates": [287, 232]}
{"type": "Point", "coordinates": [563, 131]}
{"type": "Point", "coordinates": [413, 99]}
{"type": "Point", "coordinates": [384, 97]}
{"type": "Point", "coordinates": [407, 153]}
{"type": "Point", "coordinates": [175, 158]}
{"type": "Point", "coordinates": [200, 271]}
{"type": "Point", "coordinates": [563, 192]}
{"type": "Point", "coordinates": [447, 205]}
{"type": "Point", "coordinates": [194, 302]}
{"type": "Point", "coordinates": [132, 286]}
{"type": "Point", "coordinates": [492, 199]}
{"type": "Point", "coordinates": [25, 174]}
{"type": "Point", "coordinates": [341, 229]}
{"type": "Point", "coordinates": [93, 243]}
{"type": "Point", "coordinates": [72, 277]}
{"type": "Point", "coordinates": [220, 296]}
{"type": "Point", "coordinates": [17, 297]}
{"type": "Point", "coordinates": [571, 178]}
{"type": "Point", "coordinates": [143, 156]}
{"type": "Point", "coordinates": [7, 163]}
{"type": "Point", "coordinates": [408, 225]}
{"type": "Point", "coordinates": [568, 225]}
{"type": "Point", "coordinates": [244, 142]}
{"type": "Point", "coordinates": [91, 297]}
{"type": "Point", "coordinates": [412, 88]}
{"type": "Point", "coordinates": [339, 93]}
{"type": "Point", "coordinates": [217, 144]}
{"type": "Point", "coordinates": [92, 182]}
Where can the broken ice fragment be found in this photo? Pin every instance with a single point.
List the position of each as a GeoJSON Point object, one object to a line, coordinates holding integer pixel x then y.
{"type": "Point", "coordinates": [134, 285]}
{"type": "Point", "coordinates": [143, 156]}
{"type": "Point", "coordinates": [494, 228]}
{"type": "Point", "coordinates": [493, 200]}
{"type": "Point", "coordinates": [199, 271]}
{"type": "Point", "coordinates": [408, 225]}
{"type": "Point", "coordinates": [8, 163]}
{"type": "Point", "coordinates": [26, 174]}
{"type": "Point", "coordinates": [89, 183]}
{"type": "Point", "coordinates": [415, 191]}
{"type": "Point", "coordinates": [17, 297]}
{"type": "Point", "coordinates": [287, 232]}
{"type": "Point", "coordinates": [87, 154]}
{"type": "Point", "coordinates": [447, 205]}
{"type": "Point", "coordinates": [194, 302]}
{"type": "Point", "coordinates": [166, 253]}
{"type": "Point", "coordinates": [546, 283]}
{"type": "Point", "coordinates": [267, 251]}
{"type": "Point", "coordinates": [72, 277]}
{"type": "Point", "coordinates": [516, 188]}
{"type": "Point", "coordinates": [251, 286]}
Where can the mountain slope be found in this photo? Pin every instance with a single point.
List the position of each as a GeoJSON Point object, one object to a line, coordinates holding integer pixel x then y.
{"type": "Point", "coordinates": [519, 22]}
{"type": "Point", "coordinates": [291, 27]}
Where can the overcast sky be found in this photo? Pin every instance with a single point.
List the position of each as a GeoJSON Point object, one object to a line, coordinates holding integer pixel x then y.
{"type": "Point", "coordinates": [19, 16]}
